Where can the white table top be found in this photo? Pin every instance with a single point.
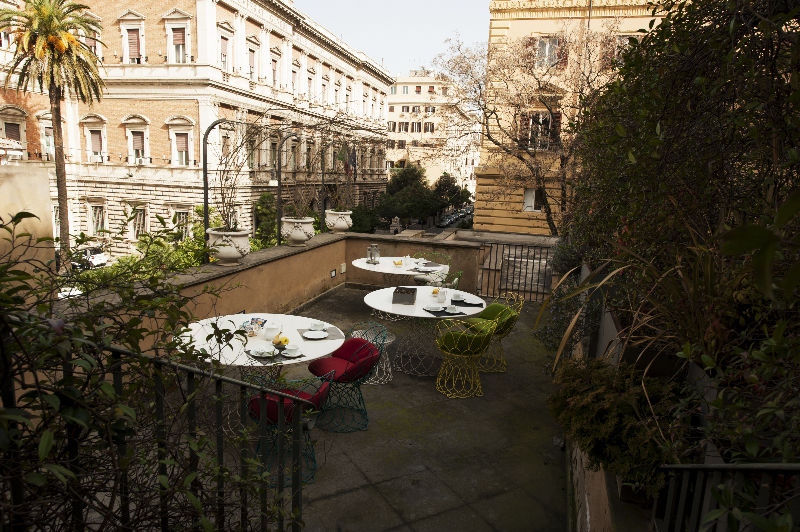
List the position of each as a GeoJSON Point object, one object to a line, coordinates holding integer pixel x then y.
{"type": "Point", "coordinates": [234, 353]}
{"type": "Point", "coordinates": [382, 300]}
{"type": "Point", "coordinates": [386, 265]}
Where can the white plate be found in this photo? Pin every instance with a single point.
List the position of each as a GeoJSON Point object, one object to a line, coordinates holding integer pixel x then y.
{"type": "Point", "coordinates": [261, 355]}
{"type": "Point", "coordinates": [425, 269]}
{"type": "Point", "coordinates": [433, 308]}
{"type": "Point", "coordinates": [315, 335]}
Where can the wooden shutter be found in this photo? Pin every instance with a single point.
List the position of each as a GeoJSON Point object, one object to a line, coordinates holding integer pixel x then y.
{"type": "Point", "coordinates": [524, 129]}
{"type": "Point", "coordinates": [133, 44]}
{"type": "Point", "coordinates": [97, 141]}
{"type": "Point", "coordinates": [179, 36]}
{"type": "Point", "coordinates": [182, 141]}
{"type": "Point", "coordinates": [252, 59]}
{"type": "Point", "coordinates": [137, 139]}
{"type": "Point", "coordinates": [12, 131]}
{"type": "Point", "coordinates": [555, 129]}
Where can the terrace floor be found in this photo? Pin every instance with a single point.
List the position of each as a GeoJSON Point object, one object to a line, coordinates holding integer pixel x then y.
{"type": "Point", "coordinates": [431, 463]}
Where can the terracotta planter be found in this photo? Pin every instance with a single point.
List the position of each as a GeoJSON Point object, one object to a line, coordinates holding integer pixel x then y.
{"type": "Point", "coordinates": [228, 246]}
{"type": "Point", "coordinates": [338, 221]}
{"type": "Point", "coordinates": [297, 231]}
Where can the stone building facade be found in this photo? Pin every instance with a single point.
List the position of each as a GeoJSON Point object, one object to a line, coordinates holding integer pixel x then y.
{"type": "Point", "coordinates": [171, 69]}
{"type": "Point", "coordinates": [418, 130]}
{"type": "Point", "coordinates": [544, 24]}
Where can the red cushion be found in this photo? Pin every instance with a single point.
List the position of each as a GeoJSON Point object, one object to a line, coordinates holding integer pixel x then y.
{"type": "Point", "coordinates": [352, 361]}
{"type": "Point", "coordinates": [254, 406]}
{"type": "Point", "coordinates": [354, 349]}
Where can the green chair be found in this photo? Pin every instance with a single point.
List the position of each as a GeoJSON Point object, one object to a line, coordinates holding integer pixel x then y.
{"type": "Point", "coordinates": [462, 343]}
{"type": "Point", "coordinates": [505, 311]}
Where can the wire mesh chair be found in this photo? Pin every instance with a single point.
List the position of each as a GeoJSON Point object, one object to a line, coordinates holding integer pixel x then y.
{"type": "Point", "coordinates": [505, 310]}
{"type": "Point", "coordinates": [380, 337]}
{"type": "Point", "coordinates": [437, 278]}
{"type": "Point", "coordinates": [462, 343]}
{"type": "Point", "coordinates": [314, 390]}
{"type": "Point", "coordinates": [352, 364]}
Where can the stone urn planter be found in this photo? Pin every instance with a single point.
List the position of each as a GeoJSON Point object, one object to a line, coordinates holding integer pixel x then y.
{"type": "Point", "coordinates": [338, 221]}
{"type": "Point", "coordinates": [297, 231]}
{"type": "Point", "coordinates": [228, 246]}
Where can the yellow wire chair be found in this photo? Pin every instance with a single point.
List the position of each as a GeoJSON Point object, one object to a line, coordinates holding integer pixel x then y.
{"type": "Point", "coordinates": [505, 310]}
{"type": "Point", "coordinates": [462, 343]}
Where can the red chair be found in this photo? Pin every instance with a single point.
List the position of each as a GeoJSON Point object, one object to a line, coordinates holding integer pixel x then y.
{"type": "Point", "coordinates": [351, 365]}
{"type": "Point", "coordinates": [316, 392]}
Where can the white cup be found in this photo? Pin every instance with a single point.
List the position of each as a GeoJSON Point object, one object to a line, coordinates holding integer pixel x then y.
{"type": "Point", "coordinates": [292, 349]}
{"type": "Point", "coordinates": [452, 308]}
{"type": "Point", "coordinates": [317, 326]}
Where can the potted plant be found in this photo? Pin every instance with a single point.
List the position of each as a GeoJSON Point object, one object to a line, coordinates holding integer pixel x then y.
{"type": "Point", "coordinates": [339, 218]}
{"type": "Point", "coordinates": [228, 243]}
{"type": "Point", "coordinates": [297, 222]}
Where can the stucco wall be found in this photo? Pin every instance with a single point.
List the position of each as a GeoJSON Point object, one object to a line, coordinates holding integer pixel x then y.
{"type": "Point", "coordinates": [26, 188]}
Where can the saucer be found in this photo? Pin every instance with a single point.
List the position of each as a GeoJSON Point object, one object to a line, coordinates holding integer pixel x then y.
{"type": "Point", "coordinates": [315, 335]}
{"type": "Point", "coordinates": [433, 308]}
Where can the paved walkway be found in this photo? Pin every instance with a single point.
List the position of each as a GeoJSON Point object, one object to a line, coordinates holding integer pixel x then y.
{"type": "Point", "coordinates": [431, 463]}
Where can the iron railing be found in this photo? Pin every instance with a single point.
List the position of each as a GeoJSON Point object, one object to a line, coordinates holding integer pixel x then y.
{"type": "Point", "coordinates": [705, 496]}
{"type": "Point", "coordinates": [195, 455]}
{"type": "Point", "coordinates": [520, 268]}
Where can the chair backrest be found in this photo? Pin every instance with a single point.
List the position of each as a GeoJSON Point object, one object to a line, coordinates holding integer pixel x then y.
{"type": "Point", "coordinates": [458, 337]}
{"type": "Point", "coordinates": [361, 356]}
{"type": "Point", "coordinates": [314, 390]}
{"type": "Point", "coordinates": [371, 331]}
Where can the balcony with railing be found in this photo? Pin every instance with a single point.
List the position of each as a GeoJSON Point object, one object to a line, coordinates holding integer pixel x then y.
{"type": "Point", "coordinates": [153, 435]}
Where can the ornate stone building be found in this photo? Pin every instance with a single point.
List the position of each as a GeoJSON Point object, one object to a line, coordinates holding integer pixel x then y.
{"type": "Point", "coordinates": [171, 69]}
{"type": "Point", "coordinates": [418, 130]}
{"type": "Point", "coordinates": [545, 25]}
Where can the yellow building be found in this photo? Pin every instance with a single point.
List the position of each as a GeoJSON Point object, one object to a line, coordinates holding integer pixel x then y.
{"type": "Point", "coordinates": [547, 33]}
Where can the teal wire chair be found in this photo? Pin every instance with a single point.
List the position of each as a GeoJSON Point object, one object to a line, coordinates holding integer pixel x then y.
{"type": "Point", "coordinates": [352, 364]}
{"type": "Point", "coordinates": [462, 343]}
{"type": "Point", "coordinates": [314, 390]}
{"type": "Point", "coordinates": [505, 310]}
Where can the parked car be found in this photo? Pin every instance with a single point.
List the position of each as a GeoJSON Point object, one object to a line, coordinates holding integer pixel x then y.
{"type": "Point", "coordinates": [89, 258]}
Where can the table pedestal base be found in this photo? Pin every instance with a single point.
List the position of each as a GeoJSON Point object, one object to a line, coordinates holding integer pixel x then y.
{"type": "Point", "coordinates": [416, 352]}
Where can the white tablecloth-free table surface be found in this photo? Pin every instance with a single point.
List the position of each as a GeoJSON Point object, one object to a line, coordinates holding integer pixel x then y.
{"type": "Point", "coordinates": [233, 354]}
{"type": "Point", "coordinates": [382, 300]}
{"type": "Point", "coordinates": [386, 265]}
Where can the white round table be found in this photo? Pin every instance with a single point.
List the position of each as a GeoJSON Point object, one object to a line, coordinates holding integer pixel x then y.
{"type": "Point", "coordinates": [382, 300]}
{"type": "Point", "coordinates": [233, 353]}
{"type": "Point", "coordinates": [418, 354]}
{"type": "Point", "coordinates": [387, 265]}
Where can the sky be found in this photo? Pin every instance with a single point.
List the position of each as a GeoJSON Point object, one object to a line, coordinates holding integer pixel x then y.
{"type": "Point", "coordinates": [403, 35]}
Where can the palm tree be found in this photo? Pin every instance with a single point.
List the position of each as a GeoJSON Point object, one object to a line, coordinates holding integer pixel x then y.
{"type": "Point", "coordinates": [50, 56]}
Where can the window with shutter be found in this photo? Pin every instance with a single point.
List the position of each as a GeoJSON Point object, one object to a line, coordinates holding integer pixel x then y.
{"type": "Point", "coordinates": [179, 44]}
{"type": "Point", "coordinates": [12, 131]}
{"type": "Point", "coordinates": [97, 141]}
{"type": "Point", "coordinates": [555, 130]}
{"type": "Point", "coordinates": [252, 60]}
{"type": "Point", "coordinates": [275, 73]}
{"type": "Point", "coordinates": [137, 143]}
{"type": "Point", "coordinates": [49, 143]}
{"type": "Point", "coordinates": [182, 148]}
{"type": "Point", "coordinates": [138, 224]}
{"type": "Point", "coordinates": [134, 55]}
{"type": "Point", "coordinates": [98, 219]}
{"type": "Point", "coordinates": [533, 199]}
{"type": "Point", "coordinates": [223, 53]}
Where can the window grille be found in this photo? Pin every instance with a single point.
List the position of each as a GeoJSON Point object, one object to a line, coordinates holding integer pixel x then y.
{"type": "Point", "coordinates": [139, 223]}
{"type": "Point", "coordinates": [182, 224]}
{"type": "Point", "coordinates": [98, 219]}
